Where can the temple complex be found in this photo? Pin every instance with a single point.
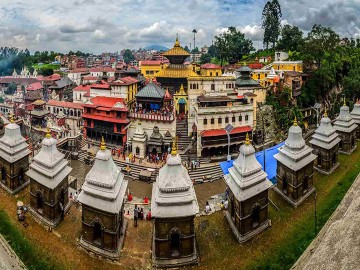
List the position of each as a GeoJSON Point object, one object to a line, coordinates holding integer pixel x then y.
{"type": "Point", "coordinates": [174, 206]}
{"type": "Point", "coordinates": [325, 143]}
{"type": "Point", "coordinates": [248, 195]}
{"type": "Point", "coordinates": [49, 171]}
{"type": "Point", "coordinates": [37, 112]}
{"type": "Point", "coordinates": [102, 198]}
{"type": "Point", "coordinates": [14, 159]}
{"type": "Point", "coordinates": [355, 114]}
{"type": "Point", "coordinates": [346, 128]}
{"type": "Point", "coordinates": [176, 73]}
{"type": "Point", "coordinates": [295, 170]}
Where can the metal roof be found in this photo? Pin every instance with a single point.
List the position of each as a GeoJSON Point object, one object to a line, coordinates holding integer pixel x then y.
{"type": "Point", "coordinates": [151, 90]}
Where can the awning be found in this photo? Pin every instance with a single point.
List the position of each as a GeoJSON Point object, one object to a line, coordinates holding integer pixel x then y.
{"type": "Point", "coordinates": [222, 132]}
{"type": "Point", "coordinates": [240, 96]}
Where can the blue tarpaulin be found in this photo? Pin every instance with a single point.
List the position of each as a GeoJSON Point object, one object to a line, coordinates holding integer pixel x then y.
{"type": "Point", "coordinates": [154, 106]}
{"type": "Point", "coordinates": [270, 162]}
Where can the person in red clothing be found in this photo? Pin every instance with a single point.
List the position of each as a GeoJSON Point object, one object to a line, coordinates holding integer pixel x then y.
{"type": "Point", "coordinates": [148, 215]}
{"type": "Point", "coordinates": [130, 197]}
{"type": "Point", "coordinates": [146, 200]}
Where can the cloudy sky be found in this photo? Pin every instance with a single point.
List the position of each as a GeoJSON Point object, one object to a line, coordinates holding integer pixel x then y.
{"type": "Point", "coordinates": [111, 25]}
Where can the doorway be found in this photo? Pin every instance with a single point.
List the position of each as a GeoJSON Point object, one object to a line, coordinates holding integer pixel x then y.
{"type": "Point", "coordinates": [97, 234]}
{"type": "Point", "coordinates": [175, 242]}
{"type": "Point", "coordinates": [255, 215]}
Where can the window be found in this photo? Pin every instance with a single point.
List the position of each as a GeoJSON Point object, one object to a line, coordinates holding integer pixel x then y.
{"type": "Point", "coordinates": [212, 87]}
{"type": "Point", "coordinates": [255, 215]}
{"type": "Point", "coordinates": [212, 121]}
{"type": "Point", "coordinates": [210, 73]}
{"type": "Point", "coordinates": [137, 150]}
{"type": "Point", "coordinates": [217, 74]}
{"type": "Point", "coordinates": [107, 112]}
{"type": "Point", "coordinates": [246, 118]}
{"type": "Point", "coordinates": [240, 118]}
{"type": "Point", "coordinates": [205, 121]}
{"type": "Point", "coordinates": [226, 120]}
{"type": "Point", "coordinates": [233, 119]}
{"type": "Point", "coordinates": [219, 120]}
{"type": "Point", "coordinates": [190, 86]}
{"type": "Point", "coordinates": [259, 76]}
{"type": "Point", "coordinates": [97, 233]}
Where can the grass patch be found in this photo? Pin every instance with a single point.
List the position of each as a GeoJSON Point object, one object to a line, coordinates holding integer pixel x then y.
{"type": "Point", "coordinates": [292, 229]}
{"type": "Point", "coordinates": [50, 66]}
{"type": "Point", "coordinates": [29, 254]}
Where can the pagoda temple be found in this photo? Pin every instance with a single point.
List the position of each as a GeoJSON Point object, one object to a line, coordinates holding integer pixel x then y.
{"type": "Point", "coordinates": [139, 142]}
{"type": "Point", "coordinates": [155, 143]}
{"type": "Point", "coordinates": [346, 128]}
{"type": "Point", "coordinates": [325, 143]}
{"type": "Point", "coordinates": [176, 73]}
{"type": "Point", "coordinates": [102, 198]}
{"type": "Point", "coordinates": [48, 174]}
{"type": "Point", "coordinates": [248, 195]}
{"type": "Point", "coordinates": [174, 206]}
{"type": "Point", "coordinates": [295, 170]}
{"type": "Point", "coordinates": [355, 114]}
{"type": "Point", "coordinates": [14, 159]}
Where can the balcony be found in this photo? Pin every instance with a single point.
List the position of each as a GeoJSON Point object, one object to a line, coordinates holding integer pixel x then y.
{"type": "Point", "coordinates": [152, 117]}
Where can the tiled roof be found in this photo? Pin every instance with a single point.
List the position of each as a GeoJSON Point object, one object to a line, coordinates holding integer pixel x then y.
{"type": "Point", "coordinates": [100, 86]}
{"type": "Point", "coordinates": [210, 66]}
{"type": "Point", "coordinates": [246, 82]}
{"type": "Point", "coordinates": [19, 81]}
{"type": "Point", "coordinates": [90, 78]}
{"type": "Point", "coordinates": [102, 69]}
{"type": "Point", "coordinates": [150, 63]}
{"type": "Point", "coordinates": [125, 81]}
{"type": "Point", "coordinates": [62, 83]}
{"type": "Point", "coordinates": [83, 88]}
{"type": "Point", "coordinates": [151, 90]}
{"type": "Point", "coordinates": [110, 102]}
{"type": "Point", "coordinates": [53, 77]}
{"type": "Point", "coordinates": [64, 104]}
{"type": "Point", "coordinates": [34, 86]}
{"type": "Point", "coordinates": [221, 132]}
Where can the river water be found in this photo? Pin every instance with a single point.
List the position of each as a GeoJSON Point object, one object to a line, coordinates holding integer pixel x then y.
{"type": "Point", "coordinates": [140, 189]}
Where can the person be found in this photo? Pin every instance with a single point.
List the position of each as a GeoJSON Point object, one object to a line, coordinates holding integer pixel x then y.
{"type": "Point", "coordinates": [199, 163]}
{"type": "Point", "coordinates": [135, 215]}
{"type": "Point", "coordinates": [129, 197]}
{"type": "Point", "coordinates": [146, 200]}
{"type": "Point", "coordinates": [148, 215]}
{"type": "Point", "coordinates": [226, 204]}
{"type": "Point", "coordinates": [207, 208]}
{"type": "Point", "coordinates": [142, 213]}
{"type": "Point", "coordinates": [75, 196]}
{"type": "Point", "coordinates": [192, 165]}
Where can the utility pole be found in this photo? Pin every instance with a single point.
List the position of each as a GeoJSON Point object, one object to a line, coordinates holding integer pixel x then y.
{"type": "Point", "coordinates": [194, 31]}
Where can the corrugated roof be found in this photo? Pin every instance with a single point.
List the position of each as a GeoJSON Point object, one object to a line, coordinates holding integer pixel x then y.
{"type": "Point", "coordinates": [221, 132]}
{"type": "Point", "coordinates": [151, 90]}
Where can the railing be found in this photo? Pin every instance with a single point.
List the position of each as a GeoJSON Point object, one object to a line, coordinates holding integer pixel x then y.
{"type": "Point", "coordinates": [152, 117]}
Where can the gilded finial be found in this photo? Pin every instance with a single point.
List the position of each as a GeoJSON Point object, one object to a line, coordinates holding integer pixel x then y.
{"type": "Point", "coordinates": [247, 139]}
{"type": "Point", "coordinates": [102, 144]}
{"type": "Point", "coordinates": [177, 43]}
{"type": "Point", "coordinates": [295, 121]}
{"type": "Point", "coordinates": [174, 147]}
{"type": "Point", "coordinates": [48, 134]}
{"type": "Point", "coordinates": [325, 113]}
{"type": "Point", "coordinates": [344, 102]}
{"type": "Point", "coordinates": [12, 119]}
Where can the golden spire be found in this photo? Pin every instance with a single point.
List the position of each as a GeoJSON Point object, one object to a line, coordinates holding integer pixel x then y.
{"type": "Point", "coordinates": [48, 134]}
{"type": "Point", "coordinates": [325, 113]}
{"type": "Point", "coordinates": [102, 144]}
{"type": "Point", "coordinates": [177, 43]}
{"type": "Point", "coordinates": [12, 121]}
{"type": "Point", "coordinates": [344, 102]}
{"type": "Point", "coordinates": [247, 140]}
{"type": "Point", "coordinates": [174, 147]}
{"type": "Point", "coordinates": [295, 121]}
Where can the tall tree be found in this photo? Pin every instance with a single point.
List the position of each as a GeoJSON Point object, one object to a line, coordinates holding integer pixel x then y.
{"type": "Point", "coordinates": [186, 48]}
{"type": "Point", "coordinates": [205, 58]}
{"type": "Point", "coordinates": [232, 45]}
{"type": "Point", "coordinates": [291, 38]}
{"type": "Point", "coordinates": [271, 22]}
{"type": "Point", "coordinates": [128, 56]}
{"type": "Point", "coordinates": [213, 51]}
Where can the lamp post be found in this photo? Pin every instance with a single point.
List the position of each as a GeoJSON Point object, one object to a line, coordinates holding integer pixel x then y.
{"type": "Point", "coordinates": [263, 134]}
{"type": "Point", "coordinates": [194, 32]}
{"type": "Point", "coordinates": [228, 129]}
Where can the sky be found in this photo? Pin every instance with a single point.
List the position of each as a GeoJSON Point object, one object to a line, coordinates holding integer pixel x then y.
{"type": "Point", "coordinates": [111, 25]}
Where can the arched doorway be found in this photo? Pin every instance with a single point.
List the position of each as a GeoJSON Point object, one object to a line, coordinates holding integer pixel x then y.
{"type": "Point", "coordinates": [255, 215]}
{"type": "Point", "coordinates": [137, 150]}
{"type": "Point", "coordinates": [305, 183]}
{"type": "Point", "coordinates": [319, 160]}
{"type": "Point", "coordinates": [21, 177]}
{"type": "Point", "coordinates": [39, 202]}
{"type": "Point", "coordinates": [97, 234]}
{"type": "Point", "coordinates": [174, 242]}
{"type": "Point", "coordinates": [182, 106]}
{"type": "Point", "coordinates": [285, 185]}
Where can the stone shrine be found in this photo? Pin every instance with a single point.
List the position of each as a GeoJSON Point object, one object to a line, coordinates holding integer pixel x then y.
{"type": "Point", "coordinates": [248, 195]}
{"type": "Point", "coordinates": [49, 171]}
{"type": "Point", "coordinates": [295, 170]}
{"type": "Point", "coordinates": [139, 142]}
{"type": "Point", "coordinates": [325, 143]}
{"type": "Point", "coordinates": [14, 159]}
{"type": "Point", "coordinates": [355, 114]}
{"type": "Point", "coordinates": [346, 128]}
{"type": "Point", "coordinates": [174, 206]}
{"type": "Point", "coordinates": [102, 198]}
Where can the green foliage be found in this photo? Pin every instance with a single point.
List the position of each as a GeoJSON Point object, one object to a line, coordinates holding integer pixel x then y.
{"type": "Point", "coordinates": [291, 38]}
{"type": "Point", "coordinates": [232, 45]}
{"type": "Point", "coordinates": [271, 22]}
{"type": "Point", "coordinates": [29, 254]}
{"type": "Point", "coordinates": [46, 71]}
{"type": "Point", "coordinates": [11, 89]}
{"type": "Point", "coordinates": [205, 58]}
{"type": "Point", "coordinates": [186, 48]}
{"type": "Point", "coordinates": [128, 56]}
{"type": "Point", "coordinates": [213, 51]}
{"type": "Point", "coordinates": [196, 50]}
{"type": "Point", "coordinates": [352, 84]}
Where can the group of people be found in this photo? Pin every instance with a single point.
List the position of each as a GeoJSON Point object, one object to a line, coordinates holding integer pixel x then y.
{"type": "Point", "coordinates": [166, 110]}
{"type": "Point", "coordinates": [192, 164]}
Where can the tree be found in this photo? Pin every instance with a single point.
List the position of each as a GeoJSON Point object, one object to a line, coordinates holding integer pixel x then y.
{"type": "Point", "coordinates": [320, 41]}
{"type": "Point", "coordinates": [213, 51]}
{"type": "Point", "coordinates": [291, 38]}
{"type": "Point", "coordinates": [232, 45]}
{"type": "Point", "coordinates": [271, 22]}
{"type": "Point", "coordinates": [46, 71]}
{"type": "Point", "coordinates": [186, 48]}
{"type": "Point", "coordinates": [11, 89]}
{"type": "Point", "coordinates": [196, 50]}
{"type": "Point", "coordinates": [128, 56]}
{"type": "Point", "coordinates": [205, 58]}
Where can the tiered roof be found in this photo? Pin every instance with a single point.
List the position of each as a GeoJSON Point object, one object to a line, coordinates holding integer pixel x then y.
{"type": "Point", "coordinates": [295, 154]}
{"type": "Point", "coordinates": [325, 135]}
{"type": "Point", "coordinates": [355, 114]}
{"type": "Point", "coordinates": [173, 193]}
{"type": "Point", "coordinates": [139, 135]}
{"type": "Point", "coordinates": [105, 186]}
{"type": "Point", "coordinates": [151, 90]}
{"type": "Point", "coordinates": [49, 166]}
{"type": "Point", "coordinates": [246, 178]}
{"type": "Point", "coordinates": [344, 122]}
{"type": "Point", "coordinates": [13, 146]}
{"type": "Point", "coordinates": [156, 137]}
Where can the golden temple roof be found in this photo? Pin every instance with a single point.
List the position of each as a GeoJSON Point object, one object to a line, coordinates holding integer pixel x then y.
{"type": "Point", "coordinates": [176, 50]}
{"type": "Point", "coordinates": [176, 71]}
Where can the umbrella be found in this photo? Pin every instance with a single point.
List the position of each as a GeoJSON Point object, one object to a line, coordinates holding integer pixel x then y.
{"type": "Point", "coordinates": [20, 204]}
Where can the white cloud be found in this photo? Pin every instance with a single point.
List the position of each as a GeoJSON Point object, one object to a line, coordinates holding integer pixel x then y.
{"type": "Point", "coordinates": [99, 34]}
